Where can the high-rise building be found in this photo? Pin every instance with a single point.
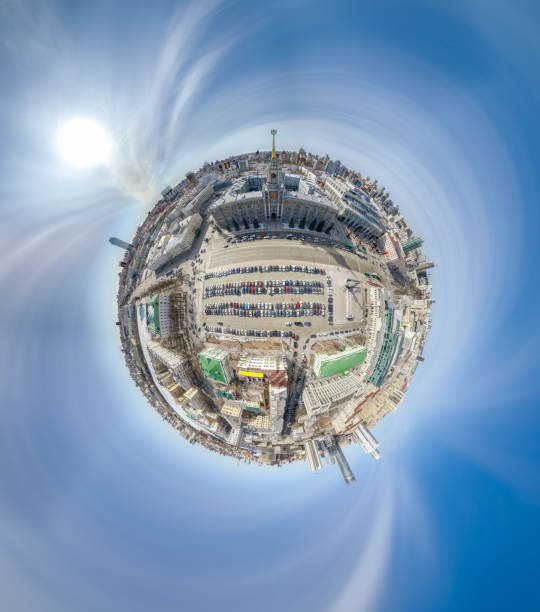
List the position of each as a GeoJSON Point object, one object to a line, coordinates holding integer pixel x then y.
{"type": "Point", "coordinates": [332, 166]}
{"type": "Point", "coordinates": [414, 242]}
{"type": "Point", "coordinates": [334, 450]}
{"type": "Point", "coordinates": [355, 209]}
{"type": "Point", "coordinates": [158, 319]}
{"type": "Point", "coordinates": [177, 363]}
{"type": "Point", "coordinates": [312, 455]}
{"type": "Point", "coordinates": [426, 265]}
{"type": "Point", "coordinates": [384, 359]}
{"type": "Point", "coordinates": [165, 192]}
{"type": "Point", "coordinates": [121, 243]}
{"type": "Point", "coordinates": [322, 395]}
{"type": "Point", "coordinates": [192, 179]}
{"type": "Point", "coordinates": [344, 466]}
{"type": "Point", "coordinates": [368, 441]}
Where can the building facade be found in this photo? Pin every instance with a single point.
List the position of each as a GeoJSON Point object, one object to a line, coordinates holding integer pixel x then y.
{"type": "Point", "coordinates": [158, 321]}
{"type": "Point", "coordinates": [253, 201]}
{"type": "Point", "coordinates": [355, 209]}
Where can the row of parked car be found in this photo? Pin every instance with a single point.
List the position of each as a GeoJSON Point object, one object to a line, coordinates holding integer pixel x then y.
{"type": "Point", "coordinates": [261, 333]}
{"type": "Point", "coordinates": [272, 268]}
{"type": "Point", "coordinates": [208, 293]}
{"type": "Point", "coordinates": [295, 290]}
{"type": "Point", "coordinates": [330, 301]}
{"type": "Point", "coordinates": [272, 287]}
{"type": "Point", "coordinates": [238, 309]}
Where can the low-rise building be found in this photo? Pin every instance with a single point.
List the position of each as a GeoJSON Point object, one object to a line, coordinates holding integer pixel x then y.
{"type": "Point", "coordinates": [263, 368]}
{"type": "Point", "coordinates": [179, 241]}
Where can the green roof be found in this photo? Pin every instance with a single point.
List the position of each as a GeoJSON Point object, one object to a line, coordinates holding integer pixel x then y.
{"type": "Point", "coordinates": [152, 315]}
{"type": "Point", "coordinates": [342, 364]}
{"type": "Point", "coordinates": [212, 368]}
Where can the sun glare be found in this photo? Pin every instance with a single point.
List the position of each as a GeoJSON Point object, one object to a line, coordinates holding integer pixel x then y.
{"type": "Point", "coordinates": [83, 143]}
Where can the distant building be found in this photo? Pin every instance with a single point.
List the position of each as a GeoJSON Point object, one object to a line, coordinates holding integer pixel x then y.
{"type": "Point", "coordinates": [167, 192]}
{"type": "Point", "coordinates": [414, 242]}
{"type": "Point", "coordinates": [332, 166]}
{"type": "Point", "coordinates": [121, 243]}
{"type": "Point", "coordinates": [426, 265]}
{"type": "Point", "coordinates": [192, 179]}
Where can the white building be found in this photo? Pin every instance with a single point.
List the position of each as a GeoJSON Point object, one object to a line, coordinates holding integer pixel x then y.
{"type": "Point", "coordinates": [355, 209]}
{"type": "Point", "coordinates": [312, 455]}
{"type": "Point", "coordinates": [177, 363]}
{"type": "Point", "coordinates": [181, 237]}
{"type": "Point", "coordinates": [367, 440]}
{"type": "Point", "coordinates": [198, 200]}
{"type": "Point", "coordinates": [321, 396]}
{"type": "Point", "coordinates": [235, 437]}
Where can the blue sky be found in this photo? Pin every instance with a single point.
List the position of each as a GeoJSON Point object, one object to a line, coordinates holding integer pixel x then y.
{"type": "Point", "coordinates": [102, 506]}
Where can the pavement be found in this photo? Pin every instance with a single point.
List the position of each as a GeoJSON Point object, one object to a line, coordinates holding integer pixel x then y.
{"type": "Point", "coordinates": [209, 254]}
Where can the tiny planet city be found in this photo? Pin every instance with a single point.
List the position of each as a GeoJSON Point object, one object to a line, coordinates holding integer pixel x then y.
{"type": "Point", "coordinates": [274, 306]}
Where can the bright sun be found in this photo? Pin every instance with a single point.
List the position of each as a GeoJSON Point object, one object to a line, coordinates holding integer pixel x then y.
{"type": "Point", "coordinates": [84, 143]}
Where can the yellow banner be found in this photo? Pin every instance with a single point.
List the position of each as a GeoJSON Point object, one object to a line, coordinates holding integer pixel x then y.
{"type": "Point", "coordinates": [257, 374]}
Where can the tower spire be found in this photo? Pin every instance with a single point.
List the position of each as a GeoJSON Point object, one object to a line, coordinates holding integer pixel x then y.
{"type": "Point", "coordinates": [273, 132]}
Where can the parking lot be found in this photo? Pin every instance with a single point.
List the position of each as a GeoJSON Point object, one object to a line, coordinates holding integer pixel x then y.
{"type": "Point", "coordinates": [278, 273]}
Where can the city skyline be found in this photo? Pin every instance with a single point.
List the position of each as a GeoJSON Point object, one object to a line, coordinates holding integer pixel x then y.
{"type": "Point", "coordinates": [269, 394]}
